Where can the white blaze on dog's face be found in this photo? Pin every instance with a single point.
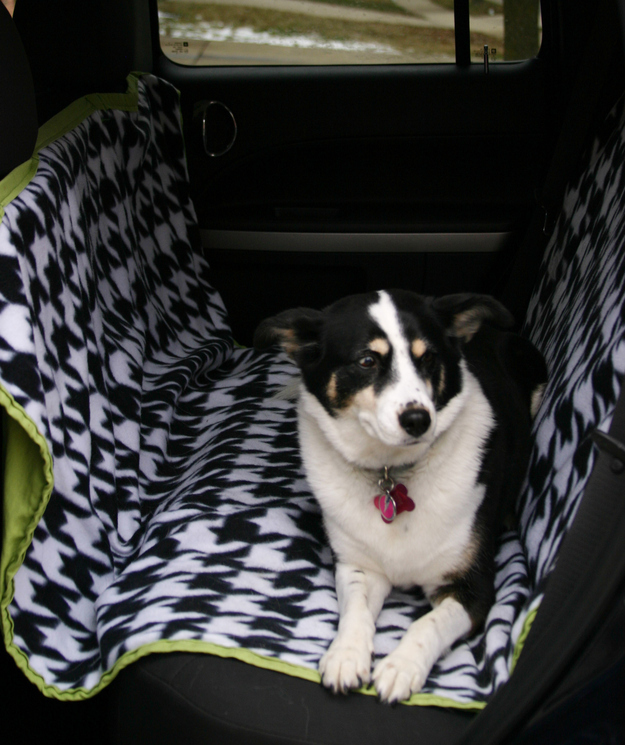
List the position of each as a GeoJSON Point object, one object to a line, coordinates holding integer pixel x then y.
{"type": "Point", "coordinates": [399, 406]}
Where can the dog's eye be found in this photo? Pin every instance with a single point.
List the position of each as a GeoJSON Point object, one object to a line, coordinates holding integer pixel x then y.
{"type": "Point", "coordinates": [427, 359]}
{"type": "Point", "coordinates": [368, 361]}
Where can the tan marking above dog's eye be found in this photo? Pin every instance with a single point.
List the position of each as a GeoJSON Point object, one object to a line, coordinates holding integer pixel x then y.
{"type": "Point", "coordinates": [380, 345]}
{"type": "Point", "coordinates": [331, 389]}
{"type": "Point", "coordinates": [441, 382]}
{"type": "Point", "coordinates": [419, 348]}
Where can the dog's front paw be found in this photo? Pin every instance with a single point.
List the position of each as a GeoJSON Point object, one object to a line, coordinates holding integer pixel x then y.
{"type": "Point", "coordinates": [345, 666]}
{"type": "Point", "coordinates": [397, 677]}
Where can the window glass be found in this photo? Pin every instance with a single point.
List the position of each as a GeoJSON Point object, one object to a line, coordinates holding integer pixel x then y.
{"type": "Point", "coordinates": [318, 32]}
{"type": "Point", "coordinates": [504, 30]}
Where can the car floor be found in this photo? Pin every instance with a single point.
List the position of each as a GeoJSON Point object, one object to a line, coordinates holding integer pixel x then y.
{"type": "Point", "coordinates": [48, 720]}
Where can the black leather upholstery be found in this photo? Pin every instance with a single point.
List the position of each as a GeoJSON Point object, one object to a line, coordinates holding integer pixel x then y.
{"type": "Point", "coordinates": [75, 48]}
{"type": "Point", "coordinates": [196, 698]}
{"type": "Point", "coordinates": [18, 116]}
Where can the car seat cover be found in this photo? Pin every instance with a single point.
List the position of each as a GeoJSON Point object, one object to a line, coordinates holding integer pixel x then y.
{"type": "Point", "coordinates": [576, 318]}
{"type": "Point", "coordinates": [179, 517]}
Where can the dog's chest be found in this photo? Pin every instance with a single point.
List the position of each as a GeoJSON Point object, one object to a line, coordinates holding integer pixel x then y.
{"type": "Point", "coordinates": [420, 547]}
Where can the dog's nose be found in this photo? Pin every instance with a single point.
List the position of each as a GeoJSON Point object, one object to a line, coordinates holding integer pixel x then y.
{"type": "Point", "coordinates": [415, 421]}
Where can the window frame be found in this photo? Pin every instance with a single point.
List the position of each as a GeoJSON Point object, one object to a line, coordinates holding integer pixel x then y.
{"type": "Point", "coordinates": [462, 42]}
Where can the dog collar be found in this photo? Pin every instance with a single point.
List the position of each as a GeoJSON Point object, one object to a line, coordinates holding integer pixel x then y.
{"type": "Point", "coordinates": [394, 498]}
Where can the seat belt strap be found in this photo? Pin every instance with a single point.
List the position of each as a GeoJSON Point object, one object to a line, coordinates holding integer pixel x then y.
{"type": "Point", "coordinates": [589, 573]}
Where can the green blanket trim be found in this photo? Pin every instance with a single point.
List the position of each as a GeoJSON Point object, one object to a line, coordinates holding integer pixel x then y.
{"type": "Point", "coordinates": [28, 475]}
{"type": "Point", "coordinates": [527, 625]}
{"type": "Point", "coordinates": [59, 125]}
{"type": "Point", "coordinates": [18, 179]}
{"type": "Point", "coordinates": [28, 482]}
{"type": "Point", "coordinates": [200, 647]}
{"type": "Point", "coordinates": [77, 112]}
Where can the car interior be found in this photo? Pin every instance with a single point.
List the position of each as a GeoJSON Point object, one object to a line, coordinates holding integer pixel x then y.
{"type": "Point", "coordinates": [164, 573]}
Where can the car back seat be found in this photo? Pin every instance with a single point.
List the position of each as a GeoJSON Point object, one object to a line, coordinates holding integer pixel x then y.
{"type": "Point", "coordinates": [166, 355]}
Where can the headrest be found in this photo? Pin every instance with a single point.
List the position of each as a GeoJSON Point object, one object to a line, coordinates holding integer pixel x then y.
{"type": "Point", "coordinates": [18, 116]}
{"type": "Point", "coordinates": [75, 47]}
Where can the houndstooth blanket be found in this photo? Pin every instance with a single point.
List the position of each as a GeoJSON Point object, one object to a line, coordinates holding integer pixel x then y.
{"type": "Point", "coordinates": [154, 495]}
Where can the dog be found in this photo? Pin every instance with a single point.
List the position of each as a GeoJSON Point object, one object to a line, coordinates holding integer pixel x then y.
{"type": "Point", "coordinates": [414, 418]}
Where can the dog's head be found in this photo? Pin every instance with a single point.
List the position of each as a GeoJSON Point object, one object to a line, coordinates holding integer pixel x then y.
{"type": "Point", "coordinates": [389, 362]}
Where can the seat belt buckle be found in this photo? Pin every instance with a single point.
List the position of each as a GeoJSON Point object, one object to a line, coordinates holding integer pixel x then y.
{"type": "Point", "coordinates": [611, 446]}
{"type": "Point", "coordinates": [549, 222]}
{"type": "Point", "coordinates": [549, 210]}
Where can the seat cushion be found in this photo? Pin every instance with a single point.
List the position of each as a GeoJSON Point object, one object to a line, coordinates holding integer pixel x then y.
{"type": "Point", "coordinates": [193, 697]}
{"type": "Point", "coordinates": [155, 497]}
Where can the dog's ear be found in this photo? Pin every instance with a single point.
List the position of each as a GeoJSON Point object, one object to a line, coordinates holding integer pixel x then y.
{"type": "Point", "coordinates": [463, 314]}
{"type": "Point", "coordinates": [298, 331]}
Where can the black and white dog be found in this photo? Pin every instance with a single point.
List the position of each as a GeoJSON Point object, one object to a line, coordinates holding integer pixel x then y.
{"type": "Point", "coordinates": [414, 427]}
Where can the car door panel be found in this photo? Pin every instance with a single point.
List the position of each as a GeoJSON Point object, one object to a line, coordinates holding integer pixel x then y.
{"type": "Point", "coordinates": [432, 166]}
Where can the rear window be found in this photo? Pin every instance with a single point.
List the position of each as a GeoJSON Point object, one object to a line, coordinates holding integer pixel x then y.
{"type": "Point", "coordinates": [335, 32]}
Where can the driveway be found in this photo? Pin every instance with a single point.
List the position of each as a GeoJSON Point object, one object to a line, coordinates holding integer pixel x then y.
{"type": "Point", "coordinates": [425, 14]}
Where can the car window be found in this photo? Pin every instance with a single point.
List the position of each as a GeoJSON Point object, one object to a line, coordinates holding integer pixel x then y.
{"type": "Point", "coordinates": [504, 30]}
{"type": "Point", "coordinates": [317, 32]}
